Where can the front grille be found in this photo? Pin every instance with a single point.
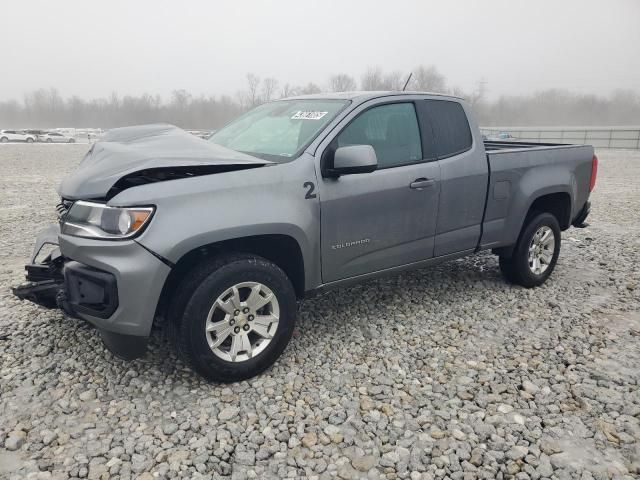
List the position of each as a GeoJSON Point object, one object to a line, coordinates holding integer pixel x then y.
{"type": "Point", "coordinates": [63, 208]}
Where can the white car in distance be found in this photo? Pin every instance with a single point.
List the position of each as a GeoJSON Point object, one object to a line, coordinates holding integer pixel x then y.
{"type": "Point", "coordinates": [16, 136]}
{"type": "Point", "coordinates": [55, 137]}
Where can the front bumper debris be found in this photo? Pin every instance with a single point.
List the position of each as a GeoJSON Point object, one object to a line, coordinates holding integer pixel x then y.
{"type": "Point", "coordinates": [45, 279]}
{"type": "Point", "coordinates": [71, 286]}
{"type": "Point", "coordinates": [43, 292]}
{"type": "Point", "coordinates": [115, 286]}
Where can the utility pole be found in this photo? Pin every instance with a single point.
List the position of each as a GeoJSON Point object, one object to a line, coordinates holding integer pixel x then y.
{"type": "Point", "coordinates": [482, 88]}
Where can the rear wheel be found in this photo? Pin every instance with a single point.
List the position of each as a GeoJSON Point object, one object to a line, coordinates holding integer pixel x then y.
{"type": "Point", "coordinates": [72, 140]}
{"type": "Point", "coordinates": [233, 317]}
{"type": "Point", "coordinates": [536, 253]}
{"type": "Point", "coordinates": [49, 140]}
{"type": "Point", "coordinates": [29, 140]}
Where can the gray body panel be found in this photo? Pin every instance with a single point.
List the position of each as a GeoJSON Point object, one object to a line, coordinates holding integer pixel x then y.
{"type": "Point", "coordinates": [198, 211]}
{"type": "Point", "coordinates": [462, 198]}
{"type": "Point", "coordinates": [349, 228]}
{"type": "Point", "coordinates": [376, 221]}
{"type": "Point", "coordinates": [140, 277]}
{"type": "Point", "coordinates": [520, 176]}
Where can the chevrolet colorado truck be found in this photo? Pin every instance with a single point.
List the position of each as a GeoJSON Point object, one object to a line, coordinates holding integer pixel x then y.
{"type": "Point", "coordinates": [217, 239]}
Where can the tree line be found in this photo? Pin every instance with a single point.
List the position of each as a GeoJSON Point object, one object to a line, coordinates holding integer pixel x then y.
{"type": "Point", "coordinates": [47, 108]}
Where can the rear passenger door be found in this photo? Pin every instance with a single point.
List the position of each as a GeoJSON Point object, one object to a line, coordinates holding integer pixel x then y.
{"type": "Point", "coordinates": [386, 218]}
{"type": "Point", "coordinates": [464, 176]}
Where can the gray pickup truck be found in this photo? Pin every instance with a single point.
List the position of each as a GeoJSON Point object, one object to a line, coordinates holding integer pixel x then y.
{"type": "Point", "coordinates": [217, 239]}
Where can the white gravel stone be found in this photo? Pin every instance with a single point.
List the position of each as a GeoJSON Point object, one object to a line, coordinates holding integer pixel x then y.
{"type": "Point", "coordinates": [14, 441]}
{"type": "Point", "coordinates": [530, 387]}
{"type": "Point", "coordinates": [364, 463]}
{"type": "Point", "coordinates": [87, 395]}
{"type": "Point", "coordinates": [228, 413]}
{"type": "Point", "coordinates": [517, 452]}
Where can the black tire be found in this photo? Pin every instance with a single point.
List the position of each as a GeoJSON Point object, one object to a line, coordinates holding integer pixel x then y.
{"type": "Point", "coordinates": [72, 140]}
{"type": "Point", "coordinates": [49, 140]}
{"type": "Point", "coordinates": [29, 140]}
{"type": "Point", "coordinates": [197, 294]}
{"type": "Point", "coordinates": [4, 139]}
{"type": "Point", "coordinates": [516, 268]}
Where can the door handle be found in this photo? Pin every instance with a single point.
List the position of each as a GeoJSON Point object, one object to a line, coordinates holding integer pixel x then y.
{"type": "Point", "coordinates": [419, 183]}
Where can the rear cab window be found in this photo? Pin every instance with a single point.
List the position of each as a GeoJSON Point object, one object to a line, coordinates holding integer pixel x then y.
{"type": "Point", "coordinates": [447, 120]}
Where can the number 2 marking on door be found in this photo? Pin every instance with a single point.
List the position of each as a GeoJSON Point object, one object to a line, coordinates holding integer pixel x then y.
{"type": "Point", "coordinates": [309, 195]}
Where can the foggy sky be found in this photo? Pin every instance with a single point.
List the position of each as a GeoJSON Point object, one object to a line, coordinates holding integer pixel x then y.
{"type": "Point", "coordinates": [93, 48]}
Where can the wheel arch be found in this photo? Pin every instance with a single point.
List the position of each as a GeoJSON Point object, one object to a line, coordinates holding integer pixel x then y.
{"type": "Point", "coordinates": [283, 250]}
{"type": "Point", "coordinates": [557, 202]}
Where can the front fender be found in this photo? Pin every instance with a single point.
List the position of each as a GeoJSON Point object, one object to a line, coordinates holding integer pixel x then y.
{"type": "Point", "coordinates": [198, 211]}
{"type": "Point", "coordinates": [206, 238]}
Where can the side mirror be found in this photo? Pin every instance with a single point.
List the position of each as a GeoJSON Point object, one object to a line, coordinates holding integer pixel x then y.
{"type": "Point", "coordinates": [353, 159]}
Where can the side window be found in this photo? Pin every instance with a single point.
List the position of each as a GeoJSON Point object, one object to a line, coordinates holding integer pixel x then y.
{"type": "Point", "coordinates": [450, 127]}
{"type": "Point", "coordinates": [392, 130]}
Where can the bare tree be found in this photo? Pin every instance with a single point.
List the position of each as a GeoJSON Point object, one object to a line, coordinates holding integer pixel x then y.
{"type": "Point", "coordinates": [428, 79]}
{"type": "Point", "coordinates": [372, 79]}
{"type": "Point", "coordinates": [180, 98]}
{"type": "Point", "coordinates": [310, 88]}
{"type": "Point", "coordinates": [288, 91]}
{"type": "Point", "coordinates": [459, 92]}
{"type": "Point", "coordinates": [269, 87]}
{"type": "Point", "coordinates": [393, 81]}
{"type": "Point", "coordinates": [341, 83]}
{"type": "Point", "coordinates": [243, 99]}
{"type": "Point", "coordinates": [253, 82]}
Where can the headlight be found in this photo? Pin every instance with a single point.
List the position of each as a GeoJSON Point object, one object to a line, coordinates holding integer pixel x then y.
{"type": "Point", "coordinates": [97, 220]}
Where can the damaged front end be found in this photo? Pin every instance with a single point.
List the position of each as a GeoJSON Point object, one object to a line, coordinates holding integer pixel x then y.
{"type": "Point", "coordinates": [91, 264]}
{"type": "Point", "coordinates": [45, 277]}
{"type": "Point", "coordinates": [54, 281]}
{"type": "Point", "coordinates": [79, 290]}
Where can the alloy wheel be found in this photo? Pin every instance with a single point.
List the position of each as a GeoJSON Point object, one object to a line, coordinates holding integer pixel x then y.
{"type": "Point", "coordinates": [242, 321]}
{"type": "Point", "coordinates": [541, 249]}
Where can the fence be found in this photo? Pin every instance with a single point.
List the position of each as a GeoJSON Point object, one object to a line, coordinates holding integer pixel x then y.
{"type": "Point", "coordinates": [599, 137]}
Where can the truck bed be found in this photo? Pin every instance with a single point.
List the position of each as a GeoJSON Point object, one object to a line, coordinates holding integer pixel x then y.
{"type": "Point", "coordinates": [522, 171]}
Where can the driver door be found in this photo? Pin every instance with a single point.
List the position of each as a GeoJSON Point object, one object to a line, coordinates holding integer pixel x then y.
{"type": "Point", "coordinates": [386, 218]}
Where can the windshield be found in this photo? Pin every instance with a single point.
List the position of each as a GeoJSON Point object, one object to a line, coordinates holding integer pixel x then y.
{"type": "Point", "coordinates": [279, 130]}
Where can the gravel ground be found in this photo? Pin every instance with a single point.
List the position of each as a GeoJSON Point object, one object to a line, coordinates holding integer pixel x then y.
{"type": "Point", "coordinates": [441, 373]}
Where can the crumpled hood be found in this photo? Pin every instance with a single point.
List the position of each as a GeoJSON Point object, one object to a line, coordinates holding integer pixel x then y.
{"type": "Point", "coordinates": [160, 147]}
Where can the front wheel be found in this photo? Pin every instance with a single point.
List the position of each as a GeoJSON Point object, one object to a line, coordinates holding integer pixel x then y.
{"type": "Point", "coordinates": [536, 253]}
{"type": "Point", "coordinates": [4, 140]}
{"type": "Point", "coordinates": [29, 140]}
{"type": "Point", "coordinates": [233, 317]}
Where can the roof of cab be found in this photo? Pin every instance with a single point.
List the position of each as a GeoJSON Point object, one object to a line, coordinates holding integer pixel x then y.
{"type": "Point", "coordinates": [363, 95]}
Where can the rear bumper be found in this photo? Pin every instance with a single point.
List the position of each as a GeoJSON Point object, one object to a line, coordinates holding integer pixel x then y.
{"type": "Point", "coordinates": [114, 285]}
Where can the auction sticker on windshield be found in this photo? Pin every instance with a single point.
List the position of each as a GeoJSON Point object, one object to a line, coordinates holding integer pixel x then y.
{"type": "Point", "coordinates": [299, 115]}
